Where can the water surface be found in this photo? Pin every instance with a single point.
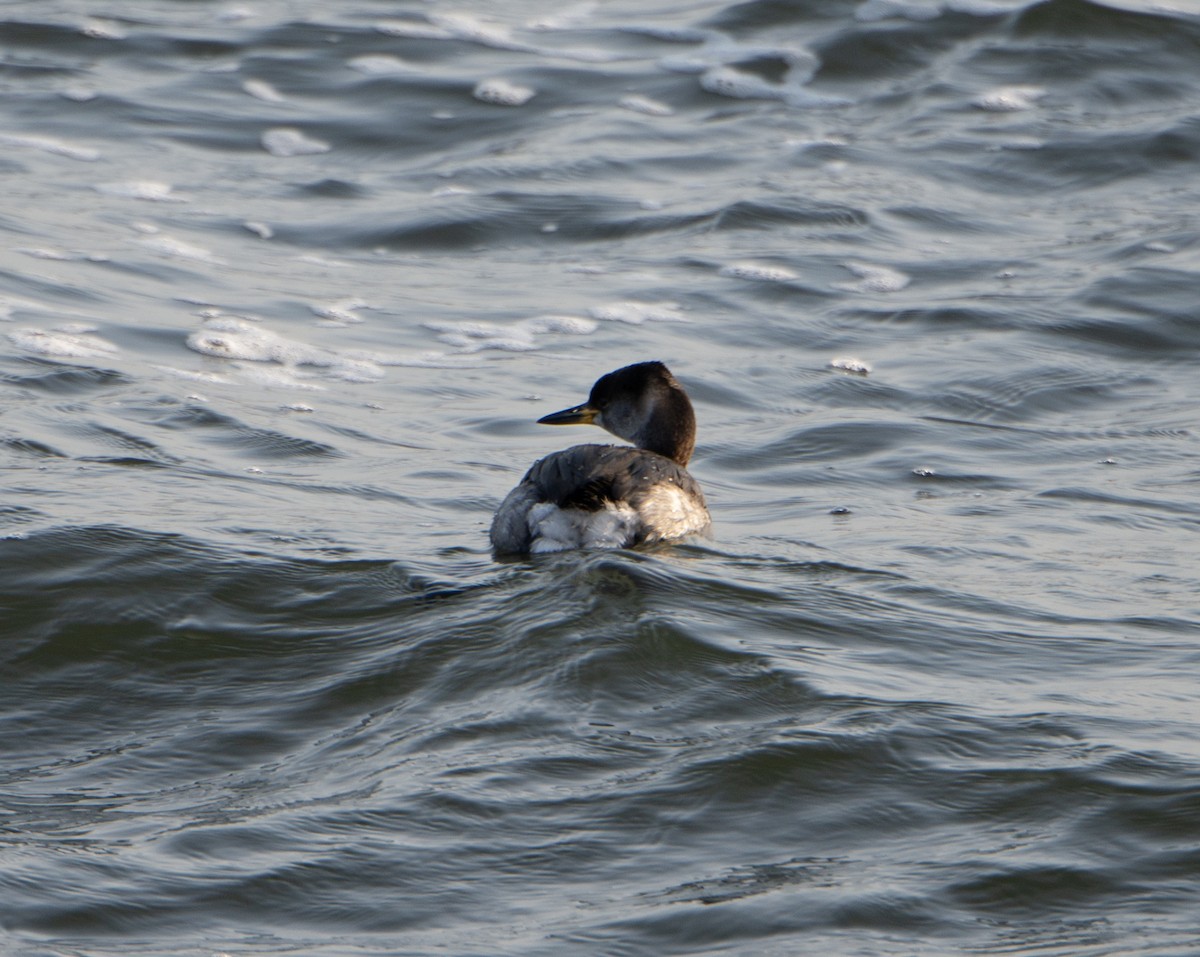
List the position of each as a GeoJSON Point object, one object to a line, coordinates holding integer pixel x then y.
{"type": "Point", "coordinates": [283, 291]}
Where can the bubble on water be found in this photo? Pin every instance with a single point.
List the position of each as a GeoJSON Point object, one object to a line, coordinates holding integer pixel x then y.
{"type": "Point", "coordinates": [757, 272]}
{"type": "Point", "coordinates": [146, 189]}
{"type": "Point", "coordinates": [261, 230]}
{"type": "Point", "coordinates": [60, 344]}
{"type": "Point", "coordinates": [78, 94]}
{"type": "Point", "coordinates": [262, 90]}
{"type": "Point", "coordinates": [875, 278]}
{"type": "Point", "coordinates": [288, 141]}
{"type": "Point", "coordinates": [48, 144]}
{"type": "Point", "coordinates": [379, 64]}
{"type": "Point", "coordinates": [635, 313]}
{"type": "Point", "coordinates": [501, 92]}
{"type": "Point", "coordinates": [1158, 246]}
{"type": "Point", "coordinates": [637, 103]}
{"type": "Point", "coordinates": [923, 471]}
{"type": "Point", "coordinates": [1009, 99]}
{"type": "Point", "coordinates": [850, 364]}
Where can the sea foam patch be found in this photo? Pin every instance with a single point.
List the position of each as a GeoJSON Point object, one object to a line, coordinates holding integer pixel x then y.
{"type": "Point", "coordinates": [47, 144]}
{"type": "Point", "coordinates": [68, 342]}
{"type": "Point", "coordinates": [636, 103]}
{"type": "Point", "coordinates": [875, 278]}
{"type": "Point", "coordinates": [758, 272]}
{"type": "Point", "coordinates": [635, 312]}
{"type": "Point", "coordinates": [379, 64]}
{"type": "Point", "coordinates": [500, 92]}
{"type": "Point", "coordinates": [171, 248]}
{"type": "Point", "coordinates": [287, 141]}
{"type": "Point", "coordinates": [262, 90]}
{"type": "Point", "coordinates": [1009, 99]}
{"type": "Point", "coordinates": [522, 336]}
{"type": "Point", "coordinates": [851, 364]}
{"type": "Point", "coordinates": [145, 189]}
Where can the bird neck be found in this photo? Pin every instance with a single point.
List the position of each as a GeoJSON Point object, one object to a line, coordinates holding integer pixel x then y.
{"type": "Point", "coordinates": [671, 430]}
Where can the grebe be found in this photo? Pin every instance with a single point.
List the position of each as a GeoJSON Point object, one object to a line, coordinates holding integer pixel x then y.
{"type": "Point", "coordinates": [611, 496]}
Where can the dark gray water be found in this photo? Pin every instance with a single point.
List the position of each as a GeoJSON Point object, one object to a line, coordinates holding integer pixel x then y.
{"type": "Point", "coordinates": [283, 287]}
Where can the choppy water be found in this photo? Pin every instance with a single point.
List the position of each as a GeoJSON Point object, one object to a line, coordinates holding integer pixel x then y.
{"type": "Point", "coordinates": [283, 287]}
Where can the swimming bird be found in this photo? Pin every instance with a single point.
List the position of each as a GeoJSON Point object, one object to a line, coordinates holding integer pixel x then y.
{"type": "Point", "coordinates": [611, 496]}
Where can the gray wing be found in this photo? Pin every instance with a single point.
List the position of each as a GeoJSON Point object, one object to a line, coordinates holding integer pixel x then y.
{"type": "Point", "coordinates": [587, 477]}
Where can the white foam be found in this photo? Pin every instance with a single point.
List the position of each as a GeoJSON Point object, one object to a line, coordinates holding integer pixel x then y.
{"type": "Point", "coordinates": [635, 313]}
{"type": "Point", "coordinates": [261, 230]}
{"type": "Point", "coordinates": [501, 92]}
{"type": "Point", "coordinates": [470, 337]}
{"type": "Point", "coordinates": [1009, 99]}
{"type": "Point", "coordinates": [729, 81]}
{"type": "Point", "coordinates": [102, 30]}
{"type": "Point", "coordinates": [47, 144]}
{"type": "Point", "coordinates": [44, 252]}
{"type": "Point", "coordinates": [287, 141]}
{"type": "Point", "coordinates": [192, 376]}
{"type": "Point", "coordinates": [78, 94]}
{"type": "Point", "coordinates": [228, 338]}
{"type": "Point", "coordinates": [567, 325]}
{"type": "Point", "coordinates": [277, 360]}
{"type": "Point", "coordinates": [850, 364]}
{"type": "Point", "coordinates": [379, 64]}
{"type": "Point", "coordinates": [567, 18]}
{"type": "Point", "coordinates": [443, 191]}
{"type": "Point", "coordinates": [60, 344]}
{"type": "Point", "coordinates": [738, 84]}
{"type": "Point", "coordinates": [876, 278]}
{"type": "Point", "coordinates": [171, 248]}
{"type": "Point", "coordinates": [147, 189]}
{"type": "Point", "coordinates": [262, 90]}
{"type": "Point", "coordinates": [9, 304]}
{"type": "Point", "coordinates": [413, 30]}
{"type": "Point", "coordinates": [341, 313]}
{"type": "Point", "coordinates": [467, 26]}
{"type": "Point", "coordinates": [756, 272]}
{"type": "Point", "coordinates": [637, 103]}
